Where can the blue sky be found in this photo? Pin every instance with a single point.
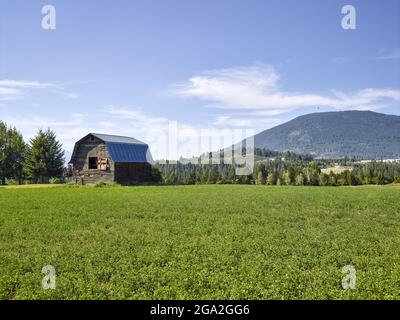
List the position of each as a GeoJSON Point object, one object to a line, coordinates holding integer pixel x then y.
{"type": "Point", "coordinates": [125, 67]}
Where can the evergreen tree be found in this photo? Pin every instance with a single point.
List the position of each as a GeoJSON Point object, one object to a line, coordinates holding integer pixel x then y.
{"type": "Point", "coordinates": [271, 178]}
{"type": "Point", "coordinates": [4, 153]}
{"type": "Point", "coordinates": [189, 178]}
{"type": "Point", "coordinates": [333, 179]}
{"type": "Point", "coordinates": [232, 174]}
{"type": "Point", "coordinates": [44, 157]}
{"type": "Point", "coordinates": [261, 178]}
{"type": "Point", "coordinates": [380, 178]}
{"type": "Point", "coordinates": [323, 179]}
{"type": "Point", "coordinates": [291, 176]}
{"type": "Point", "coordinates": [300, 180]}
{"type": "Point", "coordinates": [156, 173]}
{"type": "Point", "coordinates": [12, 152]}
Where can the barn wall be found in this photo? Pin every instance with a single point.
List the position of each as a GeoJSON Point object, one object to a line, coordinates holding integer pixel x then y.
{"type": "Point", "coordinates": [132, 173]}
{"type": "Point", "coordinates": [92, 148]}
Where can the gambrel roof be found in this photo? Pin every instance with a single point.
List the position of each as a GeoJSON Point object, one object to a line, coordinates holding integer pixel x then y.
{"type": "Point", "coordinates": [116, 139]}
{"type": "Point", "coordinates": [122, 149]}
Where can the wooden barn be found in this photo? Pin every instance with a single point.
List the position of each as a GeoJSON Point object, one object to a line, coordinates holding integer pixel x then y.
{"type": "Point", "coordinates": [100, 157]}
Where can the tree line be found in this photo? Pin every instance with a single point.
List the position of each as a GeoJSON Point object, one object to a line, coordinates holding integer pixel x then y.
{"type": "Point", "coordinates": [38, 161]}
{"type": "Point", "coordinates": [299, 170]}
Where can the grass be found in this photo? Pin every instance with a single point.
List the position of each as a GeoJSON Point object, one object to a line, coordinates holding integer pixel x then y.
{"type": "Point", "coordinates": [200, 242]}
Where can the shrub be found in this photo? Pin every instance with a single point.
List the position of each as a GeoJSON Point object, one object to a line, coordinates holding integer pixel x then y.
{"type": "Point", "coordinates": [54, 181]}
{"type": "Point", "coordinates": [100, 184]}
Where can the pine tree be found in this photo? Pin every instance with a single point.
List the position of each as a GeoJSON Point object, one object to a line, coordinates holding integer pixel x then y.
{"type": "Point", "coordinates": [12, 152]}
{"type": "Point", "coordinates": [156, 173]}
{"type": "Point", "coordinates": [291, 176]}
{"type": "Point", "coordinates": [4, 153]}
{"type": "Point", "coordinates": [300, 181]}
{"type": "Point", "coordinates": [45, 157]}
{"type": "Point", "coordinates": [271, 179]}
{"type": "Point", "coordinates": [261, 179]}
{"type": "Point", "coordinates": [189, 178]}
{"type": "Point", "coordinates": [232, 174]}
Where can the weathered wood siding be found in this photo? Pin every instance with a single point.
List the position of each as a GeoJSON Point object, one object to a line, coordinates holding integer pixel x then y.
{"type": "Point", "coordinates": [92, 147]}
{"type": "Point", "coordinates": [132, 173]}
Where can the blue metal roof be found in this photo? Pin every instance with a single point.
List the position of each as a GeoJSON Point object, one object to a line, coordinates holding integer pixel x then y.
{"type": "Point", "coordinates": [122, 149]}
{"type": "Point", "coordinates": [125, 152]}
{"type": "Point", "coordinates": [116, 139]}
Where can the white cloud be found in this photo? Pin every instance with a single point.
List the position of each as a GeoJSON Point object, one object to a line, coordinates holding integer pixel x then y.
{"type": "Point", "coordinates": [135, 115]}
{"type": "Point", "coordinates": [393, 56]}
{"type": "Point", "coordinates": [27, 84]}
{"type": "Point", "coordinates": [71, 95]}
{"type": "Point", "coordinates": [257, 88]}
{"type": "Point", "coordinates": [245, 122]}
{"type": "Point", "coordinates": [44, 123]}
{"type": "Point", "coordinates": [9, 94]}
{"type": "Point", "coordinates": [15, 89]}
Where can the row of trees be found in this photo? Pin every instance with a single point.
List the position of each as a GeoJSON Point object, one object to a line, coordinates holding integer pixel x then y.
{"type": "Point", "coordinates": [278, 172]}
{"type": "Point", "coordinates": [35, 162]}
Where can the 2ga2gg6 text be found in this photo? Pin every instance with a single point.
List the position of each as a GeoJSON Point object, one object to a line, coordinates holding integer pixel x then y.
{"type": "Point", "coordinates": [221, 309]}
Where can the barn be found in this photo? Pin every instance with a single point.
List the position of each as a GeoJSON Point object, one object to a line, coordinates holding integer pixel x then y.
{"type": "Point", "coordinates": [108, 158]}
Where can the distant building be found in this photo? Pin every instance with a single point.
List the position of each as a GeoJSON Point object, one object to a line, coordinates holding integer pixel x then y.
{"type": "Point", "coordinates": [100, 157]}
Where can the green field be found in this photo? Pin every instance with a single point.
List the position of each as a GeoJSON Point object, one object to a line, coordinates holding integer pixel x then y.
{"type": "Point", "coordinates": [200, 242]}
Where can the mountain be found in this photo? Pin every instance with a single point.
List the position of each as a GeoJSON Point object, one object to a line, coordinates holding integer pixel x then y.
{"type": "Point", "coordinates": [364, 134]}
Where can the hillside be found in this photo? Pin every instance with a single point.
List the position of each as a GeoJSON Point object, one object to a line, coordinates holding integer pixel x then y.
{"type": "Point", "coordinates": [364, 134]}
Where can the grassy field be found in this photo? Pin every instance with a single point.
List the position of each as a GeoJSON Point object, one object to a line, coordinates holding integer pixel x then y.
{"type": "Point", "coordinates": [200, 242]}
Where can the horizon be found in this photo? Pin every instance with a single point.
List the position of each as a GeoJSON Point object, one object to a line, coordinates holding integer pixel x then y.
{"type": "Point", "coordinates": [204, 66]}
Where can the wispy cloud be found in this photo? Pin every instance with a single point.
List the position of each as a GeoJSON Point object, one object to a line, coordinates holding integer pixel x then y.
{"type": "Point", "coordinates": [245, 122]}
{"type": "Point", "coordinates": [27, 84]}
{"type": "Point", "coordinates": [44, 123]}
{"type": "Point", "coordinates": [15, 89]}
{"type": "Point", "coordinates": [386, 57]}
{"type": "Point", "coordinates": [257, 88]}
{"type": "Point", "coordinates": [136, 115]}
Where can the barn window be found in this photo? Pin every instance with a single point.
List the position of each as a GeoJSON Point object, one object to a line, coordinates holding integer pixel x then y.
{"type": "Point", "coordinates": [92, 163]}
{"type": "Point", "coordinates": [103, 164]}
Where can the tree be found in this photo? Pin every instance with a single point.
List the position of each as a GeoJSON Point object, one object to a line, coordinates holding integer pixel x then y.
{"type": "Point", "coordinates": [213, 175]}
{"type": "Point", "coordinates": [232, 174]}
{"type": "Point", "coordinates": [312, 173]}
{"type": "Point", "coordinates": [333, 181]}
{"type": "Point", "coordinates": [190, 178]}
{"type": "Point", "coordinates": [261, 178]}
{"type": "Point", "coordinates": [291, 176]}
{"type": "Point", "coordinates": [172, 178]}
{"type": "Point", "coordinates": [18, 148]}
{"type": "Point", "coordinates": [156, 173]}
{"type": "Point", "coordinates": [380, 179]}
{"type": "Point", "coordinates": [12, 151]}
{"type": "Point", "coordinates": [204, 176]}
{"type": "Point", "coordinates": [271, 178]}
{"type": "Point", "coordinates": [300, 180]}
{"type": "Point", "coordinates": [4, 158]}
{"type": "Point", "coordinates": [44, 157]}
{"type": "Point", "coordinates": [323, 179]}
